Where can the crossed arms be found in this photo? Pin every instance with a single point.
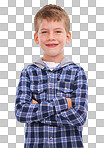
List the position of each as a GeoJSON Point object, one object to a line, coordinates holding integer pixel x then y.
{"type": "Point", "coordinates": [69, 101]}
{"type": "Point", "coordinates": [59, 112]}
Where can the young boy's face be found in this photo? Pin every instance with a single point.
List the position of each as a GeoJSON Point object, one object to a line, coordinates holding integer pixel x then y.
{"type": "Point", "coordinates": [52, 38]}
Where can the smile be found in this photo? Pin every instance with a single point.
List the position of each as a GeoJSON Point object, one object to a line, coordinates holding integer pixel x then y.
{"type": "Point", "coordinates": [51, 45]}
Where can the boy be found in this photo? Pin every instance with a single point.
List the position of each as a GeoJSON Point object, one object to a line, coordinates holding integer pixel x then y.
{"type": "Point", "coordinates": [51, 97]}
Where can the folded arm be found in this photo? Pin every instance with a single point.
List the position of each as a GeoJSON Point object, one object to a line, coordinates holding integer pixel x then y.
{"type": "Point", "coordinates": [26, 111]}
{"type": "Point", "coordinates": [52, 119]}
{"type": "Point", "coordinates": [76, 115]}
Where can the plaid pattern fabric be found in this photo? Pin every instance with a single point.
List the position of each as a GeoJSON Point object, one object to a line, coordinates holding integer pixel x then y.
{"type": "Point", "coordinates": [50, 124]}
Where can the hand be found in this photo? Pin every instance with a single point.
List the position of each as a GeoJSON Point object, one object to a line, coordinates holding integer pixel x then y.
{"type": "Point", "coordinates": [69, 100]}
{"type": "Point", "coordinates": [34, 101]}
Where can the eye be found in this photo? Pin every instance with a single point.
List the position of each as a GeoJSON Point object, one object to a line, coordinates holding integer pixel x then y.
{"type": "Point", "coordinates": [44, 32]}
{"type": "Point", "coordinates": [58, 31]}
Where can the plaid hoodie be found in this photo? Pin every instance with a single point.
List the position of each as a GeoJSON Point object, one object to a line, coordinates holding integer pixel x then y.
{"type": "Point", "coordinates": [50, 124]}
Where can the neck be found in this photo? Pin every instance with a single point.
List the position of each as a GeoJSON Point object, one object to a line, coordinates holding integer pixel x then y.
{"type": "Point", "coordinates": [52, 59]}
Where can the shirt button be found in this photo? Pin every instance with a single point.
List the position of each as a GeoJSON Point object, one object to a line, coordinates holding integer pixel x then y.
{"type": "Point", "coordinates": [50, 138]}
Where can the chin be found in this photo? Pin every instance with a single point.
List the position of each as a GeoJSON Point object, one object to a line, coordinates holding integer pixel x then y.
{"type": "Point", "coordinates": [53, 55]}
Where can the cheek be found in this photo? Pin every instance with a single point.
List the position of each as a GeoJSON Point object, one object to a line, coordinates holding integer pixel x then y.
{"type": "Point", "coordinates": [42, 39]}
{"type": "Point", "coordinates": [62, 38]}
{"type": "Point", "coordinates": [62, 42]}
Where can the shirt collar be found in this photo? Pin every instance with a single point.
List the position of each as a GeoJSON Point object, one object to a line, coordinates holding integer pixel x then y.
{"type": "Point", "coordinates": [40, 63]}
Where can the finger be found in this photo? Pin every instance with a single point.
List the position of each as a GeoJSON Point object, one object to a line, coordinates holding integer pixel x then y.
{"type": "Point", "coordinates": [70, 102]}
{"type": "Point", "coordinates": [34, 101]}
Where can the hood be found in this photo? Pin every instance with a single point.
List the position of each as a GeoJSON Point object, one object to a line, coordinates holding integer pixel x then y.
{"type": "Point", "coordinates": [38, 62]}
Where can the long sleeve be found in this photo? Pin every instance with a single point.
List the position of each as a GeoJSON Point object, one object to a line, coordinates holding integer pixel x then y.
{"type": "Point", "coordinates": [75, 116]}
{"type": "Point", "coordinates": [25, 111]}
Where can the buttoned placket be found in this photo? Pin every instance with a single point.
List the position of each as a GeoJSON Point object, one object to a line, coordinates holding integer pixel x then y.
{"type": "Point", "coordinates": [50, 84]}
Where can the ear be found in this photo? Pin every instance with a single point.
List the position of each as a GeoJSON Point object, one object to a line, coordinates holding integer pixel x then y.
{"type": "Point", "coordinates": [68, 37]}
{"type": "Point", "coordinates": [36, 38]}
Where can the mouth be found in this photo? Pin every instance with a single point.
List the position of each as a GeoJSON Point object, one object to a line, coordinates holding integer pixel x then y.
{"type": "Point", "coordinates": [51, 45]}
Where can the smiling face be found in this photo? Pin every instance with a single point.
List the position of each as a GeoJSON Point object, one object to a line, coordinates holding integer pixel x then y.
{"type": "Point", "coordinates": [52, 38]}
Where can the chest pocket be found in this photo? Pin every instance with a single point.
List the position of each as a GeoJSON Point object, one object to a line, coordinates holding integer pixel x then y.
{"type": "Point", "coordinates": [64, 88]}
{"type": "Point", "coordinates": [39, 92]}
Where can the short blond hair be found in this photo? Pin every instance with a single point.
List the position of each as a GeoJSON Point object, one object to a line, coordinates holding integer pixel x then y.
{"type": "Point", "coordinates": [52, 12]}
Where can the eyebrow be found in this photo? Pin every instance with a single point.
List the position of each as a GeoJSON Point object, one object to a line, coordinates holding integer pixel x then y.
{"type": "Point", "coordinates": [54, 29]}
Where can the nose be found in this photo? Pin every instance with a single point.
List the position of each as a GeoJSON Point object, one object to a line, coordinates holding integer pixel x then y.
{"type": "Point", "coordinates": [51, 36]}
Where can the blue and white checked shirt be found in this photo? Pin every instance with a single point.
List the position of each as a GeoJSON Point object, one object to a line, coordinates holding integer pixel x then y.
{"type": "Point", "coordinates": [50, 124]}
